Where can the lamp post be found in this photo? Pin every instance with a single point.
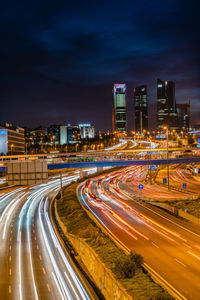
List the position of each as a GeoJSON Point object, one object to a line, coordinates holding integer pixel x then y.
{"type": "Point", "coordinates": [12, 145]}
{"type": "Point", "coordinates": [150, 162]}
{"type": "Point", "coordinates": [167, 133]}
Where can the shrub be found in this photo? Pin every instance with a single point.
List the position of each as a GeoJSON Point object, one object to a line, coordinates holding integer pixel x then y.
{"type": "Point", "coordinates": [125, 267]}
{"type": "Point", "coordinates": [137, 259]}
{"type": "Point", "coordinates": [161, 296]}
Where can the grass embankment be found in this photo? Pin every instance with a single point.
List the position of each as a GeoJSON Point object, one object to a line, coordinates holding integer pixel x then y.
{"type": "Point", "coordinates": [58, 171]}
{"type": "Point", "coordinates": [127, 268]}
{"type": "Point", "coordinates": [192, 206]}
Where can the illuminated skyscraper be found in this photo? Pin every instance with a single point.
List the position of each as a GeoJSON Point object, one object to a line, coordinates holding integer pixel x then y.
{"type": "Point", "coordinates": [119, 122]}
{"type": "Point", "coordinates": [166, 105]}
{"type": "Point", "coordinates": [183, 111]}
{"type": "Point", "coordinates": [141, 108]}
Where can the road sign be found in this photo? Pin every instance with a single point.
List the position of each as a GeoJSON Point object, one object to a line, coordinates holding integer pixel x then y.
{"type": "Point", "coordinates": [164, 180]}
{"type": "Point", "coordinates": [153, 168]}
{"type": "Point", "coordinates": [140, 186]}
{"type": "Point", "coordinates": [184, 185]}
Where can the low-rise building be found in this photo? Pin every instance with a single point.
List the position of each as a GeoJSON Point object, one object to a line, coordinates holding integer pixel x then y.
{"type": "Point", "coordinates": [87, 131]}
{"type": "Point", "coordinates": [12, 139]}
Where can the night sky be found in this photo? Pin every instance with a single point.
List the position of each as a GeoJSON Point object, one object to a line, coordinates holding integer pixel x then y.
{"type": "Point", "coordinates": [60, 58]}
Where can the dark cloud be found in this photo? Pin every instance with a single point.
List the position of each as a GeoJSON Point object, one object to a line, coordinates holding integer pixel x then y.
{"type": "Point", "coordinates": [59, 59]}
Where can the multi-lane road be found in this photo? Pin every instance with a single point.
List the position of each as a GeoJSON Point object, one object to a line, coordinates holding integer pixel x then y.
{"type": "Point", "coordinates": [33, 262]}
{"type": "Point", "coordinates": [170, 246]}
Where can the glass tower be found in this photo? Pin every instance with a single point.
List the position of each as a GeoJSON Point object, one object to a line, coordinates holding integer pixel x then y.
{"type": "Point", "coordinates": [119, 122]}
{"type": "Point", "coordinates": [141, 108]}
{"type": "Point", "coordinates": [166, 105]}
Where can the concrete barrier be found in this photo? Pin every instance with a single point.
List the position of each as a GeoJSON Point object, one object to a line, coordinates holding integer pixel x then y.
{"type": "Point", "coordinates": [188, 216]}
{"type": "Point", "coordinates": [101, 275]}
{"type": "Point", "coordinates": [177, 212]}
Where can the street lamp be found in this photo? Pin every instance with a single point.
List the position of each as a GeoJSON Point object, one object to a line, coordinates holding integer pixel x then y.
{"type": "Point", "coordinates": [150, 161]}
{"type": "Point", "coordinates": [26, 148]}
{"type": "Point", "coordinates": [12, 145]}
{"type": "Point", "coordinates": [165, 128]}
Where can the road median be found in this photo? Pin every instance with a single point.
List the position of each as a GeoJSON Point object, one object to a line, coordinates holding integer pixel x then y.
{"type": "Point", "coordinates": [105, 260]}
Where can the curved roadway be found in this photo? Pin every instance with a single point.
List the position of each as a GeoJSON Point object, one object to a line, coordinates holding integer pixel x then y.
{"type": "Point", "coordinates": [170, 246]}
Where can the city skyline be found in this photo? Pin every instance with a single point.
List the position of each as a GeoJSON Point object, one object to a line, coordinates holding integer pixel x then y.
{"type": "Point", "coordinates": [66, 58]}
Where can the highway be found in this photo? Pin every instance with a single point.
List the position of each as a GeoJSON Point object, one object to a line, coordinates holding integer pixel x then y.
{"type": "Point", "coordinates": [169, 245]}
{"type": "Point", "coordinates": [33, 263]}
{"type": "Point", "coordinates": [179, 175]}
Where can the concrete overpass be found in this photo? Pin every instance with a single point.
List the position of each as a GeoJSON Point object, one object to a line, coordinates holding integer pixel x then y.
{"type": "Point", "coordinates": [123, 163]}
{"type": "Point", "coordinates": [114, 162]}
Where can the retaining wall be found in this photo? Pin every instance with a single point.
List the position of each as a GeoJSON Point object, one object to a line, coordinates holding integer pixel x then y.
{"type": "Point", "coordinates": [102, 276]}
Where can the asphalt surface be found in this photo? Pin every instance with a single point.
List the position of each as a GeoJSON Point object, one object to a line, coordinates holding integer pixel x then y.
{"type": "Point", "coordinates": [33, 263]}
{"type": "Point", "coordinates": [169, 245]}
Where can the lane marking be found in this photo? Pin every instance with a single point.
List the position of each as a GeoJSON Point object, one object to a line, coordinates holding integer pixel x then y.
{"type": "Point", "coordinates": [9, 289]}
{"type": "Point", "coordinates": [10, 258]}
{"type": "Point", "coordinates": [196, 256]}
{"type": "Point", "coordinates": [154, 211]}
{"type": "Point", "coordinates": [197, 246]}
{"type": "Point", "coordinates": [43, 269]}
{"type": "Point", "coordinates": [167, 284]}
{"type": "Point", "coordinates": [37, 247]}
{"type": "Point", "coordinates": [155, 245]}
{"type": "Point", "coordinates": [178, 261]}
{"type": "Point", "coordinates": [10, 247]}
{"type": "Point", "coordinates": [146, 266]}
{"type": "Point", "coordinates": [187, 245]}
{"type": "Point", "coordinates": [40, 257]}
{"type": "Point", "coordinates": [48, 287]}
{"type": "Point", "coordinates": [10, 272]}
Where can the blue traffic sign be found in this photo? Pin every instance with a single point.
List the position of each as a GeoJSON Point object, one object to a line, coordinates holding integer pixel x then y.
{"type": "Point", "coordinates": [153, 168]}
{"type": "Point", "coordinates": [140, 186]}
{"type": "Point", "coordinates": [164, 180]}
{"type": "Point", "coordinates": [184, 185]}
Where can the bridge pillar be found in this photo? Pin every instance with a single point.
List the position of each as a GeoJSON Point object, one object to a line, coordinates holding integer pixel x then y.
{"type": "Point", "coordinates": [99, 169]}
{"type": "Point", "coordinates": [83, 173]}
{"type": "Point", "coordinates": [27, 172]}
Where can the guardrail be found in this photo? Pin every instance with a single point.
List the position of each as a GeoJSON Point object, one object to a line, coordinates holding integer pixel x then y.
{"type": "Point", "coordinates": [123, 163]}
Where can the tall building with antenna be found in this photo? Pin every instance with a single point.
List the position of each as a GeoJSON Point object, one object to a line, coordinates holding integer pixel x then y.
{"type": "Point", "coordinates": [166, 105]}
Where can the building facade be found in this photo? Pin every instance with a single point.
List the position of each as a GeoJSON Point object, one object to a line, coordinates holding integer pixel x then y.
{"type": "Point", "coordinates": [73, 134]}
{"type": "Point", "coordinates": [87, 131]}
{"type": "Point", "coordinates": [12, 139]}
{"type": "Point", "coordinates": [141, 108]}
{"type": "Point", "coordinates": [119, 118]}
{"type": "Point", "coordinates": [183, 111]}
{"type": "Point", "coordinates": [166, 105]}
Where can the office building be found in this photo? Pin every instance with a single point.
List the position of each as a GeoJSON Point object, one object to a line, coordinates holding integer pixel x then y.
{"type": "Point", "coordinates": [11, 139]}
{"type": "Point", "coordinates": [119, 119]}
{"type": "Point", "coordinates": [87, 131]}
{"type": "Point", "coordinates": [141, 108]}
{"type": "Point", "coordinates": [183, 111]}
{"type": "Point", "coordinates": [37, 135]}
{"type": "Point", "coordinates": [166, 105]}
{"type": "Point", "coordinates": [73, 134]}
{"type": "Point", "coordinates": [63, 135]}
{"type": "Point", "coordinates": [54, 133]}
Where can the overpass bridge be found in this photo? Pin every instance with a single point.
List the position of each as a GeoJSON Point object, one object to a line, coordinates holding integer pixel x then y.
{"type": "Point", "coordinates": [117, 163]}
{"type": "Point", "coordinates": [124, 163]}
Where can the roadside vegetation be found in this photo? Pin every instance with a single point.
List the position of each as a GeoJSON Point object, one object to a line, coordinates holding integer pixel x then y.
{"type": "Point", "coordinates": [190, 206]}
{"type": "Point", "coordinates": [126, 268]}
